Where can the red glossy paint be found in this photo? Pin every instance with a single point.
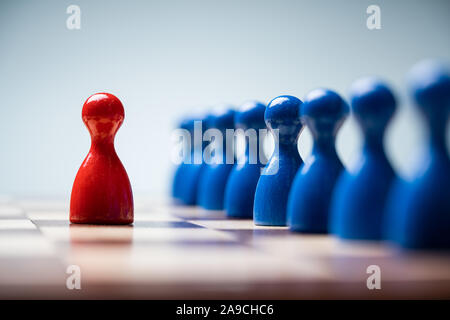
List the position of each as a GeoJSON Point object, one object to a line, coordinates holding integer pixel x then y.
{"type": "Point", "coordinates": [101, 193]}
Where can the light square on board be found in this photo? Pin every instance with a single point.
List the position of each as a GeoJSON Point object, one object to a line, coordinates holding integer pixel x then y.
{"type": "Point", "coordinates": [47, 215]}
{"type": "Point", "coordinates": [16, 224]}
{"type": "Point", "coordinates": [25, 245]}
{"type": "Point", "coordinates": [10, 211]}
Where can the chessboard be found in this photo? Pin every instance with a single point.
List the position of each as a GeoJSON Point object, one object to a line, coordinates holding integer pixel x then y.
{"type": "Point", "coordinates": [175, 252]}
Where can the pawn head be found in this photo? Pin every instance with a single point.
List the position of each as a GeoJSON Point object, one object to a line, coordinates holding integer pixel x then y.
{"type": "Point", "coordinates": [207, 121]}
{"type": "Point", "coordinates": [324, 112]}
{"type": "Point", "coordinates": [186, 124]}
{"type": "Point", "coordinates": [373, 104]}
{"type": "Point", "coordinates": [429, 82]}
{"type": "Point", "coordinates": [222, 119]}
{"type": "Point", "coordinates": [103, 114]}
{"type": "Point", "coordinates": [250, 115]}
{"type": "Point", "coordinates": [283, 114]}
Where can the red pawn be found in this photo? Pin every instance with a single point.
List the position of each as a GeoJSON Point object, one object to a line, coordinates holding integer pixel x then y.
{"type": "Point", "coordinates": [101, 193]}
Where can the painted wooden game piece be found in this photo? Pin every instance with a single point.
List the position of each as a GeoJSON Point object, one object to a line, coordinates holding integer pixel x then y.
{"type": "Point", "coordinates": [101, 193]}
{"type": "Point", "coordinates": [418, 212]}
{"type": "Point", "coordinates": [323, 112]}
{"type": "Point", "coordinates": [241, 185]}
{"type": "Point", "coordinates": [191, 178]}
{"type": "Point", "coordinates": [183, 168]}
{"type": "Point", "coordinates": [283, 115]}
{"type": "Point", "coordinates": [360, 196]}
{"type": "Point", "coordinates": [211, 188]}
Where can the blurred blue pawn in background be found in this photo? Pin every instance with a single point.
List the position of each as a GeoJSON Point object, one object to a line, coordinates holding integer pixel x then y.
{"type": "Point", "coordinates": [359, 199]}
{"type": "Point", "coordinates": [282, 117]}
{"type": "Point", "coordinates": [193, 171]}
{"type": "Point", "coordinates": [211, 189]}
{"type": "Point", "coordinates": [181, 171]}
{"type": "Point", "coordinates": [323, 112]}
{"type": "Point", "coordinates": [241, 185]}
{"type": "Point", "coordinates": [418, 213]}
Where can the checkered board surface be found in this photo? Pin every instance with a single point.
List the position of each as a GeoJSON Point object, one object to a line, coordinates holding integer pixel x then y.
{"type": "Point", "coordinates": [187, 253]}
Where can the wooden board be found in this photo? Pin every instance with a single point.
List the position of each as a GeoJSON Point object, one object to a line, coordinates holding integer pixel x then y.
{"type": "Point", "coordinates": [185, 253]}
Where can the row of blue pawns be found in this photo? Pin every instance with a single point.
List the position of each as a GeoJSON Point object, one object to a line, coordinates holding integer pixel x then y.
{"type": "Point", "coordinates": [320, 196]}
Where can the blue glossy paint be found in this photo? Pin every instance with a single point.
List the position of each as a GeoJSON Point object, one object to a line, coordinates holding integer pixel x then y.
{"type": "Point", "coordinates": [360, 197]}
{"type": "Point", "coordinates": [283, 116]}
{"type": "Point", "coordinates": [183, 167]}
{"type": "Point", "coordinates": [213, 180]}
{"type": "Point", "coordinates": [241, 185]}
{"type": "Point", "coordinates": [191, 176]}
{"type": "Point", "coordinates": [418, 213]}
{"type": "Point", "coordinates": [323, 112]}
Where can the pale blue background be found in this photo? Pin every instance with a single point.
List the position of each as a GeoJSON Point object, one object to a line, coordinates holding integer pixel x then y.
{"type": "Point", "coordinates": [165, 58]}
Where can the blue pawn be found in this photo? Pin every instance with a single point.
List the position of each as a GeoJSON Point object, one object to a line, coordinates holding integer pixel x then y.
{"type": "Point", "coordinates": [324, 112]}
{"type": "Point", "coordinates": [241, 185]}
{"type": "Point", "coordinates": [418, 213]}
{"type": "Point", "coordinates": [282, 117]}
{"type": "Point", "coordinates": [360, 197]}
{"type": "Point", "coordinates": [211, 189]}
{"type": "Point", "coordinates": [181, 171]}
{"type": "Point", "coordinates": [191, 175]}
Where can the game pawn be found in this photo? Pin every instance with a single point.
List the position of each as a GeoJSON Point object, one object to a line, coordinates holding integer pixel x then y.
{"type": "Point", "coordinates": [192, 175]}
{"type": "Point", "coordinates": [282, 117]}
{"type": "Point", "coordinates": [241, 185]}
{"type": "Point", "coordinates": [360, 195]}
{"type": "Point", "coordinates": [214, 177]}
{"type": "Point", "coordinates": [101, 193]}
{"type": "Point", "coordinates": [323, 112]}
{"type": "Point", "coordinates": [183, 168]}
{"type": "Point", "coordinates": [418, 212]}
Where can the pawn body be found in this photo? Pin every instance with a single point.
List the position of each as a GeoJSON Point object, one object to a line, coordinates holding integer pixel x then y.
{"type": "Point", "coordinates": [187, 175]}
{"type": "Point", "coordinates": [178, 179]}
{"type": "Point", "coordinates": [191, 179]}
{"type": "Point", "coordinates": [360, 197]}
{"type": "Point", "coordinates": [101, 193]}
{"type": "Point", "coordinates": [271, 196]}
{"type": "Point", "coordinates": [324, 111]}
{"type": "Point", "coordinates": [182, 170]}
{"type": "Point", "coordinates": [241, 185]}
{"type": "Point", "coordinates": [214, 176]}
{"type": "Point", "coordinates": [418, 212]}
